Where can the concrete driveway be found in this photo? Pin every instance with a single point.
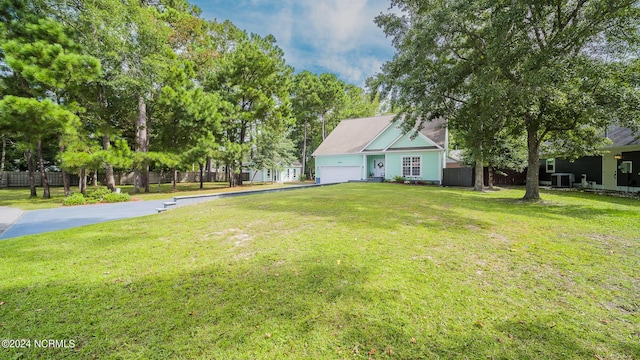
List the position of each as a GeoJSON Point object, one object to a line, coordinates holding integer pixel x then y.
{"type": "Point", "coordinates": [39, 221]}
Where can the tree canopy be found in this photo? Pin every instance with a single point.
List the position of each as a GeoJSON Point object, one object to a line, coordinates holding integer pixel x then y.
{"type": "Point", "coordinates": [104, 85]}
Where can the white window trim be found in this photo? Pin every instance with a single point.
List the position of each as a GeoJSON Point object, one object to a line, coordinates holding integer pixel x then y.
{"type": "Point", "coordinates": [551, 162]}
{"type": "Point", "coordinates": [411, 167]}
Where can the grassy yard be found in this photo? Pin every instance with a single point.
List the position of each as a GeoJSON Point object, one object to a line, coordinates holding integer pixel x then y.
{"type": "Point", "coordinates": [19, 197]}
{"type": "Point", "coordinates": [353, 271]}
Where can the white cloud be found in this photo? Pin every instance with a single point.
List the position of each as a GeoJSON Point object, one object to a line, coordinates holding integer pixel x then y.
{"type": "Point", "coordinates": [337, 36]}
{"type": "Point", "coordinates": [353, 69]}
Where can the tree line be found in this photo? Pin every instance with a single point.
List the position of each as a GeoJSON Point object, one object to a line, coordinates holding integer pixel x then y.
{"type": "Point", "coordinates": [99, 85]}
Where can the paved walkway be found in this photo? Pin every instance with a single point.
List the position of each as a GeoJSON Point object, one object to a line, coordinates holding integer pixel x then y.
{"type": "Point", "coordinates": [40, 221]}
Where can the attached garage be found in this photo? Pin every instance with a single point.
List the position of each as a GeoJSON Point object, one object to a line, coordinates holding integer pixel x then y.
{"type": "Point", "coordinates": [338, 174]}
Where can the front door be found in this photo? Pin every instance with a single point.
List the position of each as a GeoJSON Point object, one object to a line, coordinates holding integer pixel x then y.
{"type": "Point", "coordinates": [378, 168]}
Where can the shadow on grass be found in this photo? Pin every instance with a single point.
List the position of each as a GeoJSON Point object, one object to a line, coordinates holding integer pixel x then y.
{"type": "Point", "coordinates": [378, 205]}
{"type": "Point", "coordinates": [365, 206]}
{"type": "Point", "coordinates": [301, 310]}
{"type": "Point", "coordinates": [543, 209]}
{"type": "Point", "coordinates": [223, 310]}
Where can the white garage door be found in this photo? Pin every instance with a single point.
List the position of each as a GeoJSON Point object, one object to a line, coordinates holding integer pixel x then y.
{"type": "Point", "coordinates": [336, 174]}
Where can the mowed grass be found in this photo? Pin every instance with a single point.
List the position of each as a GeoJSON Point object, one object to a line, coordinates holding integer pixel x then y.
{"type": "Point", "coordinates": [19, 197]}
{"type": "Point", "coordinates": [353, 271]}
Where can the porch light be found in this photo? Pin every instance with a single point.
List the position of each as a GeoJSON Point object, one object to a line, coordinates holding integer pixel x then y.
{"type": "Point", "coordinates": [618, 156]}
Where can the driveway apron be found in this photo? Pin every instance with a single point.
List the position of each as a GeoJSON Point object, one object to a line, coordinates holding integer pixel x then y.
{"type": "Point", "coordinates": [39, 221]}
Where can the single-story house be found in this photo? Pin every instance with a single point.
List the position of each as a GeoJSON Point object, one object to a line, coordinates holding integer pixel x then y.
{"type": "Point", "coordinates": [617, 169]}
{"type": "Point", "coordinates": [377, 148]}
{"type": "Point", "coordinates": [286, 174]}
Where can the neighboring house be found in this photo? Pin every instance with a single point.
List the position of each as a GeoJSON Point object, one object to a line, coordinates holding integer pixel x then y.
{"type": "Point", "coordinates": [455, 159]}
{"type": "Point", "coordinates": [377, 148]}
{"type": "Point", "coordinates": [617, 169]}
{"type": "Point", "coordinates": [286, 174]}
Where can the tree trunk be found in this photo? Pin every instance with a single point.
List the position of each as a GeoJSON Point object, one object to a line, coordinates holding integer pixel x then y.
{"type": "Point", "coordinates": [243, 134]}
{"type": "Point", "coordinates": [141, 144]}
{"type": "Point", "coordinates": [108, 168]}
{"type": "Point", "coordinates": [65, 177]}
{"type": "Point", "coordinates": [491, 172]}
{"type": "Point", "coordinates": [46, 193]}
{"type": "Point", "coordinates": [479, 173]}
{"type": "Point", "coordinates": [175, 179]}
{"type": "Point", "coordinates": [304, 150]}
{"type": "Point", "coordinates": [136, 181]}
{"type": "Point", "coordinates": [66, 183]}
{"type": "Point", "coordinates": [4, 155]}
{"type": "Point", "coordinates": [533, 170]}
{"type": "Point", "coordinates": [31, 169]}
{"type": "Point", "coordinates": [201, 166]}
{"type": "Point", "coordinates": [95, 177]}
{"type": "Point", "coordinates": [323, 128]}
{"type": "Point", "coordinates": [208, 168]}
{"type": "Point", "coordinates": [82, 185]}
{"type": "Point", "coordinates": [146, 179]}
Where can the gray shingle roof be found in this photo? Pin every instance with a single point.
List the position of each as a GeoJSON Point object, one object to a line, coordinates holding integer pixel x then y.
{"type": "Point", "coordinates": [621, 136]}
{"type": "Point", "coordinates": [352, 135]}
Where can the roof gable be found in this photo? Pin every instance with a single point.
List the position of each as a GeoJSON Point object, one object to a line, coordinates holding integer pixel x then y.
{"type": "Point", "coordinates": [412, 140]}
{"type": "Point", "coordinates": [385, 139]}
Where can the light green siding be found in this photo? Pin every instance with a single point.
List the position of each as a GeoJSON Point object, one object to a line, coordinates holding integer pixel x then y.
{"type": "Point", "coordinates": [386, 138]}
{"type": "Point", "coordinates": [407, 142]}
{"type": "Point", "coordinates": [430, 164]}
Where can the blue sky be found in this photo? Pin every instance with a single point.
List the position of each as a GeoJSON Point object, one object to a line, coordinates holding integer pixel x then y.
{"type": "Point", "coordinates": [335, 36]}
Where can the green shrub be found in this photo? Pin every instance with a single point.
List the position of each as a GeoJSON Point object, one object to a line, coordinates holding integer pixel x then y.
{"type": "Point", "coordinates": [74, 199]}
{"type": "Point", "coordinates": [98, 194]}
{"type": "Point", "coordinates": [113, 197]}
{"type": "Point", "coordinates": [398, 179]}
{"type": "Point", "coordinates": [303, 177]}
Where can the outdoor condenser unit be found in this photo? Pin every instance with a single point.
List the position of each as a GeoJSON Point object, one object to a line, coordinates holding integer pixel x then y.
{"type": "Point", "coordinates": [562, 179]}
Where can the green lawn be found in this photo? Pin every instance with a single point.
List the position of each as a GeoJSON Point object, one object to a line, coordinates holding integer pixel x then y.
{"type": "Point", "coordinates": [351, 271]}
{"type": "Point", "coordinates": [19, 197]}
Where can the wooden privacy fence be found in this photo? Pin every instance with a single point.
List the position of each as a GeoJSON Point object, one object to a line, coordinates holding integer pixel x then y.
{"type": "Point", "coordinates": [465, 177]}
{"type": "Point", "coordinates": [458, 177]}
{"type": "Point", "coordinates": [21, 178]}
{"type": "Point", "coordinates": [165, 177]}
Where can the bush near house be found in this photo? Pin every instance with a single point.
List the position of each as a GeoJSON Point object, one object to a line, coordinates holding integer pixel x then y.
{"type": "Point", "coordinates": [94, 197]}
{"type": "Point", "coordinates": [74, 199]}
